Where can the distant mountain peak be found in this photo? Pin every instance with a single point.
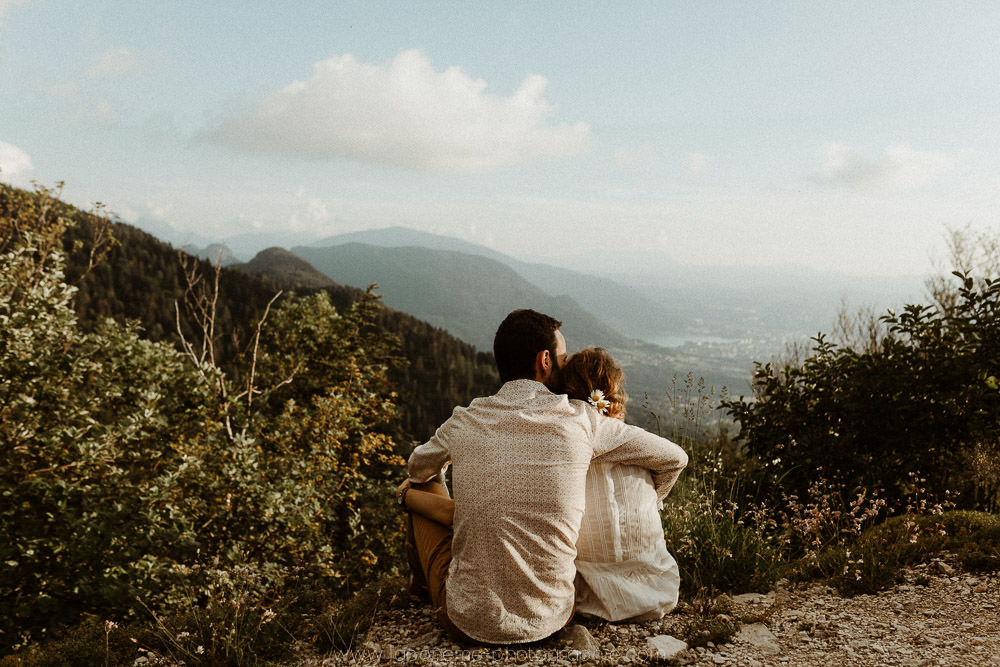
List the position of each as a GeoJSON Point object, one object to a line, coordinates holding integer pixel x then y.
{"type": "Point", "coordinates": [464, 293]}
{"type": "Point", "coordinates": [286, 269]}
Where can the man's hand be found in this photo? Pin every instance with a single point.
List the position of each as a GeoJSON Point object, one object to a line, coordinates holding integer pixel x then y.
{"type": "Point", "coordinates": [403, 487]}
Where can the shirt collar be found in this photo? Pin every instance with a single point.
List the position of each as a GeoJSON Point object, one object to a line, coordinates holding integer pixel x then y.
{"type": "Point", "coordinates": [523, 388]}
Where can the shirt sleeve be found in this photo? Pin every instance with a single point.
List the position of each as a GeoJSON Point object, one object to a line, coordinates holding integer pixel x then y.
{"type": "Point", "coordinates": [617, 442]}
{"type": "Point", "coordinates": [430, 459]}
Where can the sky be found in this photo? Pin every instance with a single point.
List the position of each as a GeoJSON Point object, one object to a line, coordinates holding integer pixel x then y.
{"type": "Point", "coordinates": [837, 136]}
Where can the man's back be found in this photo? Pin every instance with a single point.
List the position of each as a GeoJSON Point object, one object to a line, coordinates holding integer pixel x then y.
{"type": "Point", "coordinates": [520, 461]}
{"type": "Point", "coordinates": [518, 487]}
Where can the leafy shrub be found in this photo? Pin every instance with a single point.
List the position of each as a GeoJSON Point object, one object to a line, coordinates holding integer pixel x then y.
{"type": "Point", "coordinates": [974, 537]}
{"type": "Point", "coordinates": [133, 478]}
{"type": "Point", "coordinates": [90, 642]}
{"type": "Point", "coordinates": [925, 397]}
{"type": "Point", "coordinates": [875, 558]}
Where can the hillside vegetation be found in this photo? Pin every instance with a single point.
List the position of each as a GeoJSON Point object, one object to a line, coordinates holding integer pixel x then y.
{"type": "Point", "coordinates": [141, 279]}
{"type": "Point", "coordinates": [217, 491]}
{"type": "Point", "coordinates": [248, 461]}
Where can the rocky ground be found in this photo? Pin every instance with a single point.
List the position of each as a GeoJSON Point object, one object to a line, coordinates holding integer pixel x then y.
{"type": "Point", "coordinates": [939, 616]}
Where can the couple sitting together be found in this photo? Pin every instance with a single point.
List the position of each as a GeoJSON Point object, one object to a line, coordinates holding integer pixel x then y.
{"type": "Point", "coordinates": [556, 499]}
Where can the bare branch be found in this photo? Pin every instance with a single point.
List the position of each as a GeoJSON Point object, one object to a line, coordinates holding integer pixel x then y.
{"type": "Point", "coordinates": [253, 357]}
{"type": "Point", "coordinates": [201, 303]}
{"type": "Point", "coordinates": [188, 349]}
{"type": "Point", "coordinates": [101, 239]}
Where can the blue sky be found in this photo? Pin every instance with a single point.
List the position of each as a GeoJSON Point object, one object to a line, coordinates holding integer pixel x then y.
{"type": "Point", "coordinates": [840, 136]}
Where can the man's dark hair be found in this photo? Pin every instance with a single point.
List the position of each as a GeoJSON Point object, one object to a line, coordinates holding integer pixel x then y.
{"type": "Point", "coordinates": [520, 337]}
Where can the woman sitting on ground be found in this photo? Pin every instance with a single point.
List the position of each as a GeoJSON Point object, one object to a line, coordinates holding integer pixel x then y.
{"type": "Point", "coordinates": [624, 570]}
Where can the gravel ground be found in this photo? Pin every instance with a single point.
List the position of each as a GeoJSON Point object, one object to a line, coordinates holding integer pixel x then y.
{"type": "Point", "coordinates": [939, 616]}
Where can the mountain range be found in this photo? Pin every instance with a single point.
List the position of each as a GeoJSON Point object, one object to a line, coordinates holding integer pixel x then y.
{"type": "Point", "coordinates": [468, 295]}
{"type": "Point", "coordinates": [622, 308]}
{"type": "Point", "coordinates": [676, 303]}
{"type": "Point", "coordinates": [666, 302]}
{"type": "Point", "coordinates": [713, 322]}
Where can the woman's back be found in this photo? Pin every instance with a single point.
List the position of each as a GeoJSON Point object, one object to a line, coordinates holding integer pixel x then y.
{"type": "Point", "coordinates": [623, 567]}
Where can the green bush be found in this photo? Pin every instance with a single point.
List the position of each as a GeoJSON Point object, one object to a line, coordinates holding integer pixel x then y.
{"type": "Point", "coordinates": [90, 642]}
{"type": "Point", "coordinates": [134, 479]}
{"type": "Point", "coordinates": [925, 397]}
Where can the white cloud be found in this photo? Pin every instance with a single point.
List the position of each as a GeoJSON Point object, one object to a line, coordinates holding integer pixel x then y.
{"type": "Point", "coordinates": [404, 114]}
{"type": "Point", "coordinates": [900, 167]}
{"type": "Point", "coordinates": [310, 213]}
{"type": "Point", "coordinates": [15, 164]}
{"type": "Point", "coordinates": [115, 63]}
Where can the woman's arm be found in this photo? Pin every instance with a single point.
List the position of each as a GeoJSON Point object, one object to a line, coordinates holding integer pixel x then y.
{"type": "Point", "coordinates": [616, 442]}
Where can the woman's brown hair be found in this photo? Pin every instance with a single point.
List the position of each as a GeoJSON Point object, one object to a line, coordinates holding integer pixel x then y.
{"type": "Point", "coordinates": [593, 368]}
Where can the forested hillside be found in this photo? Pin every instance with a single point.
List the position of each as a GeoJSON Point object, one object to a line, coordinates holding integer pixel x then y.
{"type": "Point", "coordinates": [142, 278]}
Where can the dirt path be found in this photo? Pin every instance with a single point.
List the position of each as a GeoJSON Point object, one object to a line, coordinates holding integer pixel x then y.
{"type": "Point", "coordinates": [940, 616]}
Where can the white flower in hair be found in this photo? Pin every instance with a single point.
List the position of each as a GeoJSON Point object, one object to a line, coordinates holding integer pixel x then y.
{"type": "Point", "coordinates": [598, 401]}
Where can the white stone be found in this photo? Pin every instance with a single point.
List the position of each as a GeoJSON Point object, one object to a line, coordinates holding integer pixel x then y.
{"type": "Point", "coordinates": [758, 635]}
{"type": "Point", "coordinates": [666, 647]}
